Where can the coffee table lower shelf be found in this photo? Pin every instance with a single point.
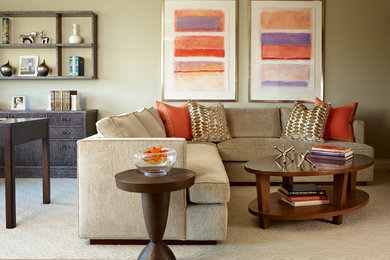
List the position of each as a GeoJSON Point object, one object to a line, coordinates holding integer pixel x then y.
{"type": "Point", "coordinates": [280, 210]}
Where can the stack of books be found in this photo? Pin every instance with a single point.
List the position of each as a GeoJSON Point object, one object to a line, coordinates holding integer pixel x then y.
{"type": "Point", "coordinates": [76, 66]}
{"type": "Point", "coordinates": [60, 100]}
{"type": "Point", "coordinates": [326, 152]}
{"type": "Point", "coordinates": [303, 195]}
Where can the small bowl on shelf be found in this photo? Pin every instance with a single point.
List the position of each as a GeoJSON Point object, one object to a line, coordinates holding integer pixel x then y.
{"type": "Point", "coordinates": [155, 162]}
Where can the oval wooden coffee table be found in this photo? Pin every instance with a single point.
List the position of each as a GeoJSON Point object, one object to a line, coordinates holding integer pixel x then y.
{"type": "Point", "coordinates": [155, 204]}
{"type": "Point", "coordinates": [343, 196]}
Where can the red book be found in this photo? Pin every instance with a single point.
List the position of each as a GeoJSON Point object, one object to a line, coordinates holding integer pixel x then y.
{"type": "Point", "coordinates": [328, 148]}
{"type": "Point", "coordinates": [302, 198]}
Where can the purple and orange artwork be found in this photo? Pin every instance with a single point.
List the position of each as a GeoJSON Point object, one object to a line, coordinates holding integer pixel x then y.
{"type": "Point", "coordinates": [199, 50]}
{"type": "Point", "coordinates": [207, 74]}
{"type": "Point", "coordinates": [285, 36]}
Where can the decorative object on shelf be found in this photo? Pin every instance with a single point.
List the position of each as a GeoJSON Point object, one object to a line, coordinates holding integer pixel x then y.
{"type": "Point", "coordinates": [28, 65]}
{"type": "Point", "coordinates": [18, 103]}
{"type": "Point", "coordinates": [284, 153]}
{"type": "Point", "coordinates": [304, 157]}
{"type": "Point", "coordinates": [286, 50]}
{"type": "Point", "coordinates": [28, 37]}
{"type": "Point", "coordinates": [74, 102]}
{"type": "Point", "coordinates": [44, 39]}
{"type": "Point", "coordinates": [75, 38]}
{"type": "Point", "coordinates": [5, 30]}
{"type": "Point", "coordinates": [6, 70]}
{"type": "Point", "coordinates": [42, 69]}
{"type": "Point", "coordinates": [199, 50]}
{"type": "Point", "coordinates": [155, 161]}
{"type": "Point", "coordinates": [76, 66]}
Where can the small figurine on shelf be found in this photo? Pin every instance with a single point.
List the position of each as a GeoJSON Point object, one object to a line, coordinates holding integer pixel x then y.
{"type": "Point", "coordinates": [75, 38]}
{"type": "Point", "coordinates": [44, 39]}
{"type": "Point", "coordinates": [28, 37]}
{"type": "Point", "coordinates": [42, 69]}
{"type": "Point", "coordinates": [6, 70]}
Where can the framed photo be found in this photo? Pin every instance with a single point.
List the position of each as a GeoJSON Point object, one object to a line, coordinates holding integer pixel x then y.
{"type": "Point", "coordinates": [286, 53]}
{"type": "Point", "coordinates": [28, 65]}
{"type": "Point", "coordinates": [18, 103]}
{"type": "Point", "coordinates": [199, 50]}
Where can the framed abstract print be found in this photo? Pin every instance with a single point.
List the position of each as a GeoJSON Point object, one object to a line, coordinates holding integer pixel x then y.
{"type": "Point", "coordinates": [286, 51]}
{"type": "Point", "coordinates": [199, 50]}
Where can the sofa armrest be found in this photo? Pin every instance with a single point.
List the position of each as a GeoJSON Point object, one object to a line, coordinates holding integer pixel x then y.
{"type": "Point", "coordinates": [108, 212]}
{"type": "Point", "coordinates": [358, 131]}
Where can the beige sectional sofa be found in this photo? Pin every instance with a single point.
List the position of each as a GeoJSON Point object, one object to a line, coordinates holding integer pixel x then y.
{"type": "Point", "coordinates": [199, 214]}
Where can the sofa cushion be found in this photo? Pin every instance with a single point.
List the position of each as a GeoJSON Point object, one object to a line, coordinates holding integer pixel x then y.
{"type": "Point", "coordinates": [211, 181]}
{"type": "Point", "coordinates": [244, 149]}
{"type": "Point", "coordinates": [339, 123]}
{"type": "Point", "coordinates": [285, 113]}
{"type": "Point", "coordinates": [208, 123]}
{"type": "Point", "coordinates": [176, 120]}
{"type": "Point", "coordinates": [137, 124]}
{"type": "Point", "coordinates": [306, 124]}
{"type": "Point", "coordinates": [259, 122]}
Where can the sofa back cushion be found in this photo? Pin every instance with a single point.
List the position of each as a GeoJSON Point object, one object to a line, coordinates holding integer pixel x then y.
{"type": "Point", "coordinates": [253, 122]}
{"type": "Point", "coordinates": [138, 124]}
{"type": "Point", "coordinates": [285, 113]}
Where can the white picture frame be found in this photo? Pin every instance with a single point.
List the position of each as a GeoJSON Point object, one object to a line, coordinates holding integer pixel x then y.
{"type": "Point", "coordinates": [18, 103]}
{"type": "Point", "coordinates": [28, 66]}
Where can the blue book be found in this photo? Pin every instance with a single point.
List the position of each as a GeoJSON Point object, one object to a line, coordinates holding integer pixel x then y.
{"type": "Point", "coordinates": [76, 66]}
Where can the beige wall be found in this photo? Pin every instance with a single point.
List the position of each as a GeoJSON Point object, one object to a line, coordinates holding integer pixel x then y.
{"type": "Point", "coordinates": [356, 54]}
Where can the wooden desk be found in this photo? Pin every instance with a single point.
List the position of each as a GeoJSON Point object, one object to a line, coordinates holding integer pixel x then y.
{"type": "Point", "coordinates": [155, 204]}
{"type": "Point", "coordinates": [18, 131]}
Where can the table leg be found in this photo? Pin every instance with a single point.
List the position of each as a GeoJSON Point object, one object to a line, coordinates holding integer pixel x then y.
{"type": "Point", "coordinates": [339, 194]}
{"type": "Point", "coordinates": [9, 169]}
{"type": "Point", "coordinates": [352, 181]}
{"type": "Point", "coordinates": [155, 208]}
{"type": "Point", "coordinates": [263, 198]}
{"type": "Point", "coordinates": [46, 167]}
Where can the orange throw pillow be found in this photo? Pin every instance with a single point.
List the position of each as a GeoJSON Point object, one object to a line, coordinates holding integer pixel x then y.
{"type": "Point", "coordinates": [339, 124]}
{"type": "Point", "coordinates": [177, 120]}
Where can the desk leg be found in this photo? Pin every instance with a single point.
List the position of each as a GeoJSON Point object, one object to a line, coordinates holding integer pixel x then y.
{"type": "Point", "coordinates": [155, 208]}
{"type": "Point", "coordinates": [46, 168]}
{"type": "Point", "coordinates": [339, 194]}
{"type": "Point", "coordinates": [263, 198]}
{"type": "Point", "coordinates": [9, 169]}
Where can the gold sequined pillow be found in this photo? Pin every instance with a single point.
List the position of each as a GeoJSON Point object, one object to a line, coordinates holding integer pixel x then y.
{"type": "Point", "coordinates": [208, 123]}
{"type": "Point", "coordinates": [307, 124]}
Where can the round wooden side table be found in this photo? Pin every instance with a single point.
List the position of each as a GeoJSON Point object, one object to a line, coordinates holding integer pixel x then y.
{"type": "Point", "coordinates": [155, 204]}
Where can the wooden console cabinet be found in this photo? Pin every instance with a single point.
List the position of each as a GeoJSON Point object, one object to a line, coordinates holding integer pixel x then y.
{"type": "Point", "coordinates": [65, 128]}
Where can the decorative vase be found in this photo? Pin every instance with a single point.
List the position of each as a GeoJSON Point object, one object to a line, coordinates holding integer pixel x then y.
{"type": "Point", "coordinates": [43, 69]}
{"type": "Point", "coordinates": [5, 31]}
{"type": "Point", "coordinates": [75, 38]}
{"type": "Point", "coordinates": [6, 70]}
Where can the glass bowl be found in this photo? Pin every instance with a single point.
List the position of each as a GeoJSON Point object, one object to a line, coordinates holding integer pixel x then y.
{"type": "Point", "coordinates": [154, 164]}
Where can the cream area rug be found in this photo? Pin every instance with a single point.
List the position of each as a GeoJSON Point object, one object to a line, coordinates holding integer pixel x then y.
{"type": "Point", "coordinates": [50, 231]}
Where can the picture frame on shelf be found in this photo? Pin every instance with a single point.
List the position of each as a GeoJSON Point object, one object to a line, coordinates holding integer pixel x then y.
{"type": "Point", "coordinates": [28, 66]}
{"type": "Point", "coordinates": [286, 52]}
{"type": "Point", "coordinates": [199, 53]}
{"type": "Point", "coordinates": [18, 103]}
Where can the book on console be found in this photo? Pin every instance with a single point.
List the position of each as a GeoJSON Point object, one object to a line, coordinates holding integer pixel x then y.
{"type": "Point", "coordinates": [302, 189]}
{"type": "Point", "coordinates": [327, 157]}
{"type": "Point", "coordinates": [305, 203]}
{"type": "Point", "coordinates": [328, 148]}
{"type": "Point", "coordinates": [302, 197]}
{"type": "Point", "coordinates": [333, 154]}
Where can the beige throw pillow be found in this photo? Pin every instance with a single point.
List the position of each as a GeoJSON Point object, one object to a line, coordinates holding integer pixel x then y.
{"type": "Point", "coordinates": [208, 123]}
{"type": "Point", "coordinates": [138, 124]}
{"type": "Point", "coordinates": [307, 124]}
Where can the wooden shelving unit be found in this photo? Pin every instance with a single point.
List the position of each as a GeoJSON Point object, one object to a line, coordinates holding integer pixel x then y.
{"type": "Point", "coordinates": [59, 46]}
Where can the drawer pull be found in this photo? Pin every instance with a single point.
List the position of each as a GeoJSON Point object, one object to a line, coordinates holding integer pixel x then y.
{"type": "Point", "coordinates": [65, 133]}
{"type": "Point", "coordinates": [66, 146]}
{"type": "Point", "coordinates": [65, 119]}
